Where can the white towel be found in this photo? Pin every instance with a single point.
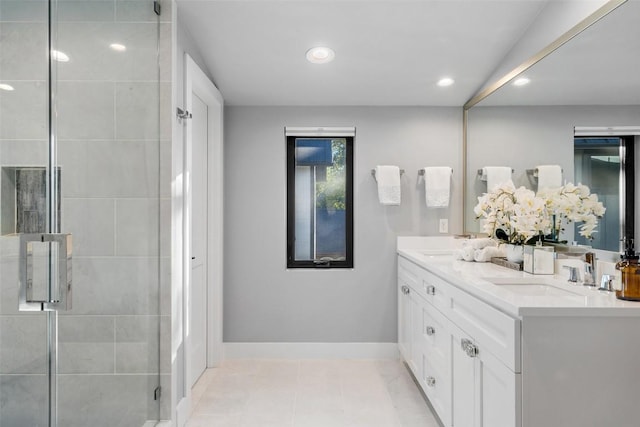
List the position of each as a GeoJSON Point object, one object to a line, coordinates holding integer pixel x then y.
{"type": "Point", "coordinates": [479, 243]}
{"type": "Point", "coordinates": [466, 253]}
{"type": "Point", "coordinates": [485, 254]}
{"type": "Point", "coordinates": [496, 175]}
{"type": "Point", "coordinates": [388, 178]}
{"type": "Point", "coordinates": [437, 186]}
{"type": "Point", "coordinates": [549, 176]}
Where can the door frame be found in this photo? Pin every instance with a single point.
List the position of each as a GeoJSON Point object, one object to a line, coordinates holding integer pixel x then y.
{"type": "Point", "coordinates": [196, 81]}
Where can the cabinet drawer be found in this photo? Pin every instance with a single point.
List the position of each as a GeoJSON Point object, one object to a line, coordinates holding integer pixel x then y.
{"type": "Point", "coordinates": [409, 273]}
{"type": "Point", "coordinates": [427, 285]}
{"type": "Point", "coordinates": [436, 291]}
{"type": "Point", "coordinates": [492, 330]}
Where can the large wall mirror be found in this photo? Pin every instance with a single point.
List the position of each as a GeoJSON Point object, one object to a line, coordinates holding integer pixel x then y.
{"type": "Point", "coordinates": [591, 83]}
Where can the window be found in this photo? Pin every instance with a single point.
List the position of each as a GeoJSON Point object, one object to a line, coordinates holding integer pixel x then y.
{"type": "Point", "coordinates": [319, 200]}
{"type": "Point", "coordinates": [606, 165]}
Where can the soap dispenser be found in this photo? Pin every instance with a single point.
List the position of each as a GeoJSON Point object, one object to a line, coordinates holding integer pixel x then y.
{"type": "Point", "coordinates": [627, 281]}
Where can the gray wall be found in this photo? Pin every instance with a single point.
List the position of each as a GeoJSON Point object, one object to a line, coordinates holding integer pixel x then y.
{"type": "Point", "coordinates": [524, 137]}
{"type": "Point", "coordinates": [264, 302]}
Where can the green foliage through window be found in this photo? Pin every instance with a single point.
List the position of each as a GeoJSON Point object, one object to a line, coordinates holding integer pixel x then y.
{"type": "Point", "coordinates": [330, 193]}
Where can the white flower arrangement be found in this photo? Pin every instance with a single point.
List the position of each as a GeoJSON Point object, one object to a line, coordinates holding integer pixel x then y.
{"type": "Point", "coordinates": [514, 215]}
{"type": "Point", "coordinates": [574, 203]}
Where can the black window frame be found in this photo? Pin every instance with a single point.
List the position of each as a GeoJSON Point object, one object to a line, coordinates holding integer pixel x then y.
{"type": "Point", "coordinates": [291, 167]}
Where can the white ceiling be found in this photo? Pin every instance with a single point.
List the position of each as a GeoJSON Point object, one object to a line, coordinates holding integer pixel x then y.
{"type": "Point", "coordinates": [388, 52]}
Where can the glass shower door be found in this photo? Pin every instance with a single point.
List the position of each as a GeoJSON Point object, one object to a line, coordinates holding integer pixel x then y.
{"type": "Point", "coordinates": [80, 153]}
{"type": "Point", "coordinates": [27, 338]}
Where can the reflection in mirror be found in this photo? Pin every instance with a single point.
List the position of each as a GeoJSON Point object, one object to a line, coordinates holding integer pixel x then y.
{"type": "Point", "coordinates": [598, 166]}
{"type": "Point", "coordinates": [590, 81]}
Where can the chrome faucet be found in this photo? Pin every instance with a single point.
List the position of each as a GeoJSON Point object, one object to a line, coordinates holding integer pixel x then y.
{"type": "Point", "coordinates": [573, 273]}
{"type": "Point", "coordinates": [588, 275]}
{"type": "Point", "coordinates": [589, 269]}
{"type": "Point", "coordinates": [607, 283]}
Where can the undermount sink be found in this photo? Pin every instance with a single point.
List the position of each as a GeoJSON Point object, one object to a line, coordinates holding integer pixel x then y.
{"type": "Point", "coordinates": [435, 252]}
{"type": "Point", "coordinates": [533, 288]}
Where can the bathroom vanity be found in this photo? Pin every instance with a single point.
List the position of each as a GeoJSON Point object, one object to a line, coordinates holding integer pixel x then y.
{"type": "Point", "coordinates": [495, 347]}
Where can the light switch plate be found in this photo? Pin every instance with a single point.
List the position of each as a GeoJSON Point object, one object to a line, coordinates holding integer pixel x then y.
{"type": "Point", "coordinates": [444, 225]}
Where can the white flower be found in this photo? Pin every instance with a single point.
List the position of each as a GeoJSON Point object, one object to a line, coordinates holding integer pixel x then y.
{"type": "Point", "coordinates": [574, 203]}
{"type": "Point", "coordinates": [518, 212]}
{"type": "Point", "coordinates": [521, 214]}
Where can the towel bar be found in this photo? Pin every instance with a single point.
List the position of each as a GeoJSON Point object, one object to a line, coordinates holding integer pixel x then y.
{"type": "Point", "coordinates": [373, 173]}
{"type": "Point", "coordinates": [421, 172]}
{"type": "Point", "coordinates": [480, 171]}
{"type": "Point", "coordinates": [534, 172]}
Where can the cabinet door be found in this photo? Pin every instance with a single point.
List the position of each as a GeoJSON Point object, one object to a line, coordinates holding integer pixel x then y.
{"type": "Point", "coordinates": [465, 389]}
{"type": "Point", "coordinates": [404, 320]}
{"type": "Point", "coordinates": [436, 362]}
{"type": "Point", "coordinates": [500, 392]}
{"type": "Point", "coordinates": [417, 345]}
{"type": "Point", "coordinates": [486, 393]}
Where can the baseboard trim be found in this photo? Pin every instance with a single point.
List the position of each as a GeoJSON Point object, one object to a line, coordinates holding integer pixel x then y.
{"type": "Point", "coordinates": [314, 350]}
{"type": "Point", "coordinates": [165, 423]}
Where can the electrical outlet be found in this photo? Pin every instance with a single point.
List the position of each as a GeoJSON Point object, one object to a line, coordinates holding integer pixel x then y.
{"type": "Point", "coordinates": [444, 225]}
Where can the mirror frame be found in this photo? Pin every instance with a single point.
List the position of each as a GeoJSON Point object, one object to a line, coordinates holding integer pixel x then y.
{"type": "Point", "coordinates": [491, 88]}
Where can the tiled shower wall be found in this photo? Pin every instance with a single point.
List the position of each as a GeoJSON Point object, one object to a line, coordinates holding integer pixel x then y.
{"type": "Point", "coordinates": [114, 155]}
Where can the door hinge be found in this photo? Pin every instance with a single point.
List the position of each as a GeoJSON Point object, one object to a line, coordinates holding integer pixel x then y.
{"type": "Point", "coordinates": [156, 7]}
{"type": "Point", "coordinates": [157, 393]}
{"type": "Point", "coordinates": [183, 114]}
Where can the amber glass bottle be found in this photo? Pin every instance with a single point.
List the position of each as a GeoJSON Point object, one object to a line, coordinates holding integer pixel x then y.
{"type": "Point", "coordinates": [628, 274]}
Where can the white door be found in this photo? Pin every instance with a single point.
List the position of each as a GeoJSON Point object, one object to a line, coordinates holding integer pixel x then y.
{"type": "Point", "coordinates": [199, 214]}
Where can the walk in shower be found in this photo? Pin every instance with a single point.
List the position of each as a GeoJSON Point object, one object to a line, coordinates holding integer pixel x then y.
{"type": "Point", "coordinates": [84, 191]}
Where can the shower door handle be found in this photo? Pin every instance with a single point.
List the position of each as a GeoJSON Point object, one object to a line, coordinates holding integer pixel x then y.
{"type": "Point", "coordinates": [53, 291]}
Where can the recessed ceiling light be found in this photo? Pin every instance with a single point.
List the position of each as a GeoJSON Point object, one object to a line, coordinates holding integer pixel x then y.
{"type": "Point", "coordinates": [118, 47]}
{"type": "Point", "coordinates": [56, 55]}
{"type": "Point", "coordinates": [320, 55]}
{"type": "Point", "coordinates": [446, 81]}
{"type": "Point", "coordinates": [7, 87]}
{"type": "Point", "coordinates": [521, 81]}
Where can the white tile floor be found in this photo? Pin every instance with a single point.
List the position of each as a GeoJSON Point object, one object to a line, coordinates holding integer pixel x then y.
{"type": "Point", "coordinates": [309, 393]}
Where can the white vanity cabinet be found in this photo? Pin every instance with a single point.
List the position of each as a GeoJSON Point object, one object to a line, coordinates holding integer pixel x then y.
{"type": "Point", "coordinates": [485, 392]}
{"type": "Point", "coordinates": [493, 347]}
{"type": "Point", "coordinates": [464, 353]}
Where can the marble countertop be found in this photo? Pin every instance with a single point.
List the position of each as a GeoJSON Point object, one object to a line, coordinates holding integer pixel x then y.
{"type": "Point", "coordinates": [543, 295]}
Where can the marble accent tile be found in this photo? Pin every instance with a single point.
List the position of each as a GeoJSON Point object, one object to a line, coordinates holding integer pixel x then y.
{"type": "Point", "coordinates": [115, 286]}
{"type": "Point", "coordinates": [85, 10]}
{"type": "Point", "coordinates": [109, 168]}
{"type": "Point", "coordinates": [27, 41]}
{"type": "Point", "coordinates": [104, 400]}
{"type": "Point", "coordinates": [137, 227]}
{"type": "Point", "coordinates": [23, 11]}
{"type": "Point", "coordinates": [92, 224]}
{"type": "Point", "coordinates": [137, 344]}
{"type": "Point", "coordinates": [86, 344]}
{"type": "Point", "coordinates": [23, 400]}
{"type": "Point", "coordinates": [23, 344]}
{"type": "Point", "coordinates": [24, 111]}
{"type": "Point", "coordinates": [85, 110]}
